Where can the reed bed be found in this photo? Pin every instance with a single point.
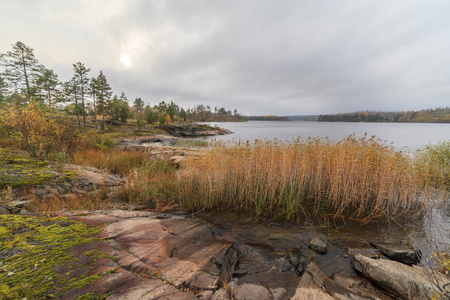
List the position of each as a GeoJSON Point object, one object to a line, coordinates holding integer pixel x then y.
{"type": "Point", "coordinates": [361, 178]}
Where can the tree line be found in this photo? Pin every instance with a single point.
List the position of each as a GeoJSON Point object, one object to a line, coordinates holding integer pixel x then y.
{"type": "Point", "coordinates": [24, 78]}
{"type": "Point", "coordinates": [438, 115]}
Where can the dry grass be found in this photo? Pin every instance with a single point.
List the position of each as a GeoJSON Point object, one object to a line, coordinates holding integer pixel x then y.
{"type": "Point", "coordinates": [153, 186]}
{"type": "Point", "coordinates": [356, 178]}
{"type": "Point", "coordinates": [117, 162]}
{"type": "Point", "coordinates": [433, 163]}
{"type": "Point", "coordinates": [89, 201]}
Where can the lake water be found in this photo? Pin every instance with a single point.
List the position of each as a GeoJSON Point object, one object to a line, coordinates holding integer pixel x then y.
{"type": "Point", "coordinates": [404, 136]}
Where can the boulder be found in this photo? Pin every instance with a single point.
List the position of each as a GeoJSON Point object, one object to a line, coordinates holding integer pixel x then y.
{"type": "Point", "coordinates": [318, 245]}
{"type": "Point", "coordinates": [406, 282]}
{"type": "Point", "coordinates": [400, 252]}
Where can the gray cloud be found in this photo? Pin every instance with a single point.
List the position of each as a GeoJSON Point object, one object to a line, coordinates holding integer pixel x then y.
{"type": "Point", "coordinates": [261, 57]}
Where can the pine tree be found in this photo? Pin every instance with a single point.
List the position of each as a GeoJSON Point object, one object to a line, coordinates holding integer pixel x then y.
{"type": "Point", "coordinates": [93, 90]}
{"type": "Point", "coordinates": [71, 93]}
{"type": "Point", "coordinates": [81, 79]}
{"type": "Point", "coordinates": [21, 68]}
{"type": "Point", "coordinates": [48, 81]}
{"type": "Point", "coordinates": [103, 94]}
{"type": "Point", "coordinates": [138, 105]}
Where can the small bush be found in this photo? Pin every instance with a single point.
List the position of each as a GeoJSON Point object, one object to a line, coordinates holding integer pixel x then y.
{"type": "Point", "coordinates": [37, 130]}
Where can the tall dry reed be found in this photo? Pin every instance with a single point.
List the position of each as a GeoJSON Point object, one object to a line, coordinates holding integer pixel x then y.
{"type": "Point", "coordinates": [358, 178]}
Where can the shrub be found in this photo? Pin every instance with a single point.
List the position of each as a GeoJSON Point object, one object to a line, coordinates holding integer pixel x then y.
{"type": "Point", "coordinates": [37, 130]}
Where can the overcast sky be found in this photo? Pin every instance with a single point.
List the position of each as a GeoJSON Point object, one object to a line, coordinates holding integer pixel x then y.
{"type": "Point", "coordinates": [260, 57]}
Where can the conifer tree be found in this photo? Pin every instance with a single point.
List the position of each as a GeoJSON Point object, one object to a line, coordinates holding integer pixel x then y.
{"type": "Point", "coordinates": [48, 81]}
{"type": "Point", "coordinates": [93, 90]}
{"type": "Point", "coordinates": [21, 68]}
{"type": "Point", "coordinates": [103, 94]}
{"type": "Point", "coordinates": [80, 76]}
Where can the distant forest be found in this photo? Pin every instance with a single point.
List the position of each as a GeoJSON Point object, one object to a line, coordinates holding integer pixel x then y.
{"type": "Point", "coordinates": [438, 115]}
{"type": "Point", "coordinates": [267, 118]}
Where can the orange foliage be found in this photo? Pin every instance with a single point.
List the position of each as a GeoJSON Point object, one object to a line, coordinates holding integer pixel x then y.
{"type": "Point", "coordinates": [36, 131]}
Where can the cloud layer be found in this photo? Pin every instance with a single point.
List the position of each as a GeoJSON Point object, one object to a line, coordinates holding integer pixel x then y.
{"type": "Point", "coordinates": [261, 57]}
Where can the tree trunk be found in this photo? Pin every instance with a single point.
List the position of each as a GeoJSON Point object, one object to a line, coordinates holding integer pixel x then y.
{"type": "Point", "coordinates": [103, 115]}
{"type": "Point", "coordinates": [76, 109]}
{"type": "Point", "coordinates": [95, 112]}
{"type": "Point", "coordinates": [49, 98]}
{"type": "Point", "coordinates": [82, 100]}
{"type": "Point", "coordinates": [26, 77]}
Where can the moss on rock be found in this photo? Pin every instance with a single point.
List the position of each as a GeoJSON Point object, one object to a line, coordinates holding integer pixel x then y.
{"type": "Point", "coordinates": [32, 249]}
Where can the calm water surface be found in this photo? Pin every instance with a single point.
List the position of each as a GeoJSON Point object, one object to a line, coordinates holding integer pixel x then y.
{"type": "Point", "coordinates": [404, 136]}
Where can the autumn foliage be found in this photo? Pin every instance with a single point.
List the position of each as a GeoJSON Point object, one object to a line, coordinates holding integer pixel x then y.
{"type": "Point", "coordinates": [37, 130]}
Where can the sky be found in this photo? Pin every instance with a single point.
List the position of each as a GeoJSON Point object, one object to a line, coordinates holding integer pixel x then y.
{"type": "Point", "coordinates": [261, 57]}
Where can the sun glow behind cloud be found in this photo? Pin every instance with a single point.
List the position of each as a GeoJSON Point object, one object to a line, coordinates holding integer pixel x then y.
{"type": "Point", "coordinates": [132, 48]}
{"type": "Point", "coordinates": [125, 60]}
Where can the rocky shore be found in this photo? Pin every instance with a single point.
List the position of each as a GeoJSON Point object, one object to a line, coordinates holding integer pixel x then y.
{"type": "Point", "coordinates": [149, 255]}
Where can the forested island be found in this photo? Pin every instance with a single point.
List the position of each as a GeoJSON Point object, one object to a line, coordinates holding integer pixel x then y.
{"type": "Point", "coordinates": [438, 115]}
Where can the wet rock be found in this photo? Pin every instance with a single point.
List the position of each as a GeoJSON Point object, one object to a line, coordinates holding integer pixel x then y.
{"type": "Point", "coordinates": [316, 285]}
{"type": "Point", "coordinates": [278, 293]}
{"type": "Point", "coordinates": [308, 288]}
{"type": "Point", "coordinates": [250, 292]}
{"type": "Point", "coordinates": [407, 282]}
{"type": "Point", "coordinates": [362, 249]}
{"type": "Point", "coordinates": [318, 245]}
{"type": "Point", "coordinates": [401, 253]}
{"type": "Point", "coordinates": [220, 294]}
{"type": "Point", "coordinates": [283, 265]}
{"type": "Point", "coordinates": [202, 281]}
{"type": "Point", "coordinates": [252, 262]}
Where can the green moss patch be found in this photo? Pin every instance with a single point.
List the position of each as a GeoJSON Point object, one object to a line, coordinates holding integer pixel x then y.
{"type": "Point", "coordinates": [33, 250]}
{"type": "Point", "coordinates": [19, 170]}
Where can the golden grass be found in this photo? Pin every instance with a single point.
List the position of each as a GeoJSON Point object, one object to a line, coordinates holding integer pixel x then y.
{"type": "Point", "coordinates": [356, 178]}
{"type": "Point", "coordinates": [153, 185]}
{"type": "Point", "coordinates": [88, 201]}
{"type": "Point", "coordinates": [118, 162]}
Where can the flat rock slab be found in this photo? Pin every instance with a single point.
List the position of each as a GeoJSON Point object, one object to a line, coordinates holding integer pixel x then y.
{"type": "Point", "coordinates": [399, 252]}
{"type": "Point", "coordinates": [165, 256]}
